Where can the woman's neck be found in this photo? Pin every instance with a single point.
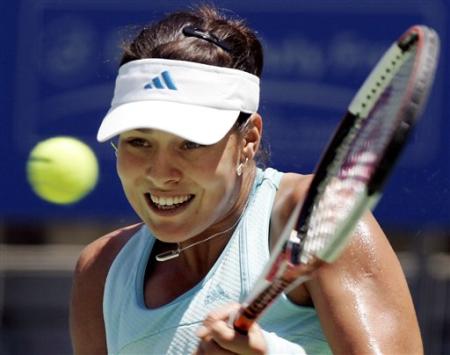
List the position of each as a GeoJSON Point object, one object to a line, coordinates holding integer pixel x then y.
{"type": "Point", "coordinates": [200, 252]}
{"type": "Point", "coordinates": [178, 275]}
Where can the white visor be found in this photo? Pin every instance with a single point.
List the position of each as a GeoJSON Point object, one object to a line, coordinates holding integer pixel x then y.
{"type": "Point", "coordinates": [197, 102]}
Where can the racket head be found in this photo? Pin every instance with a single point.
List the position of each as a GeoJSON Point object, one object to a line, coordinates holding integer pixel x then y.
{"type": "Point", "coordinates": [353, 169]}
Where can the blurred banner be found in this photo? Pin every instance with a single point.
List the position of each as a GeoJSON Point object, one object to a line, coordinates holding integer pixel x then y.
{"type": "Point", "coordinates": [59, 60]}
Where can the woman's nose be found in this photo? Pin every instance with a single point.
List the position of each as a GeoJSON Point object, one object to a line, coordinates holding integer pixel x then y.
{"type": "Point", "coordinates": [162, 169]}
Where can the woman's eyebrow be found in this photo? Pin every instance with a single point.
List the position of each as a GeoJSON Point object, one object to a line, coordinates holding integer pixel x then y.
{"type": "Point", "coordinates": [144, 130]}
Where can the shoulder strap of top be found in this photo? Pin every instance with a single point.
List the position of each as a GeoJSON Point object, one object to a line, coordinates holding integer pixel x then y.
{"type": "Point", "coordinates": [254, 246]}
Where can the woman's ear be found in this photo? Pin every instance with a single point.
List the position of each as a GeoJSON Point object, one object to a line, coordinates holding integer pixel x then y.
{"type": "Point", "coordinates": [252, 135]}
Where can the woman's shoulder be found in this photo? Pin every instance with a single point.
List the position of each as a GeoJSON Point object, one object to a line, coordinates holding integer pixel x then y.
{"type": "Point", "coordinates": [86, 317]}
{"type": "Point", "coordinates": [292, 190]}
{"type": "Point", "coordinates": [97, 257]}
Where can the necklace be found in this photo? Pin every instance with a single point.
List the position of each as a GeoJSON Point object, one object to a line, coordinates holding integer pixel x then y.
{"type": "Point", "coordinates": [175, 253]}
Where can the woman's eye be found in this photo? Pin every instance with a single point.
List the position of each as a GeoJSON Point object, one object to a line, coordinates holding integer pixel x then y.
{"type": "Point", "coordinates": [191, 145]}
{"type": "Point", "coordinates": [138, 142]}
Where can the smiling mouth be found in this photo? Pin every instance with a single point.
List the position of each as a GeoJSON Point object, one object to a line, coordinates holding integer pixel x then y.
{"type": "Point", "coordinates": [168, 203]}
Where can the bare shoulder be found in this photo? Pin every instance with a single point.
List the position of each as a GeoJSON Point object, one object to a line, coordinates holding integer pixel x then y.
{"type": "Point", "coordinates": [294, 185]}
{"type": "Point", "coordinates": [99, 255]}
{"type": "Point", "coordinates": [95, 260]}
{"type": "Point", "coordinates": [292, 190]}
{"type": "Point", "coordinates": [86, 306]}
{"type": "Point", "coordinates": [363, 297]}
{"type": "Point", "coordinates": [367, 279]}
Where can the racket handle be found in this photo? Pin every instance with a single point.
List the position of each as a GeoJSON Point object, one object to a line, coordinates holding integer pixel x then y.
{"type": "Point", "coordinates": [243, 321]}
{"type": "Point", "coordinates": [247, 315]}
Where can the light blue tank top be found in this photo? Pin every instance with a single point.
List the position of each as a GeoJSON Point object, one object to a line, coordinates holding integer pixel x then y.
{"type": "Point", "coordinates": [132, 328]}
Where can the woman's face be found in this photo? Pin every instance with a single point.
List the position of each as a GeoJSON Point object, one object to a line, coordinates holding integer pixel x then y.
{"type": "Point", "coordinates": [178, 188]}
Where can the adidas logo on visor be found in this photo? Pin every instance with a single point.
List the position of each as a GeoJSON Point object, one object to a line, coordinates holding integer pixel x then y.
{"type": "Point", "coordinates": [162, 81]}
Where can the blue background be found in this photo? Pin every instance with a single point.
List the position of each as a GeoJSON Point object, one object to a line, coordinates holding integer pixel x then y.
{"type": "Point", "coordinates": [59, 60]}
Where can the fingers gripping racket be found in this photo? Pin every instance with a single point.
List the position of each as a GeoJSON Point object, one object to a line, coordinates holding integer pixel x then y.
{"type": "Point", "coordinates": [349, 177]}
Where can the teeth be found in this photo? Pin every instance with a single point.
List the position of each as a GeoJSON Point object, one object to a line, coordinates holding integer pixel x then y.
{"type": "Point", "coordinates": [169, 201]}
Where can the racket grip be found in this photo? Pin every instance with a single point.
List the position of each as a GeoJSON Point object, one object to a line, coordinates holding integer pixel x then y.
{"type": "Point", "coordinates": [247, 315]}
{"type": "Point", "coordinates": [243, 321]}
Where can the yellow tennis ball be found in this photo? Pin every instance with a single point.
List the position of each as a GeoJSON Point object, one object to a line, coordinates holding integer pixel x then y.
{"type": "Point", "coordinates": [62, 170]}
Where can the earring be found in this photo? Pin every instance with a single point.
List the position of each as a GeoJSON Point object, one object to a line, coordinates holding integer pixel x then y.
{"type": "Point", "coordinates": [240, 167]}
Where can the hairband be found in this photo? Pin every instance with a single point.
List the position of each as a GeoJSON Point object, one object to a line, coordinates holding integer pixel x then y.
{"type": "Point", "coordinates": [191, 31]}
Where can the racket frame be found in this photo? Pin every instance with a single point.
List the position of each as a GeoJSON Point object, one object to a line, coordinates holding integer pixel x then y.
{"type": "Point", "coordinates": [289, 264]}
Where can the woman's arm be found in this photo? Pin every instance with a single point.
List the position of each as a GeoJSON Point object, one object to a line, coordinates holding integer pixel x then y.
{"type": "Point", "coordinates": [86, 316]}
{"type": "Point", "coordinates": [363, 300]}
{"type": "Point", "coordinates": [86, 308]}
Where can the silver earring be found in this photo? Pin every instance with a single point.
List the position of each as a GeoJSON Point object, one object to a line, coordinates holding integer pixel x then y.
{"type": "Point", "coordinates": [240, 167]}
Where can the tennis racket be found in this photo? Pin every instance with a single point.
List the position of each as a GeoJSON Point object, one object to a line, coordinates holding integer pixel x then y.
{"type": "Point", "coordinates": [351, 173]}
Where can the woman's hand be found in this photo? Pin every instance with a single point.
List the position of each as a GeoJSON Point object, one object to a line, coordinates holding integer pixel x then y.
{"type": "Point", "coordinates": [217, 337]}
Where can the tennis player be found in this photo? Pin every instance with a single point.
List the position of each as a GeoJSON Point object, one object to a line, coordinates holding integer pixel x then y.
{"type": "Point", "coordinates": [185, 120]}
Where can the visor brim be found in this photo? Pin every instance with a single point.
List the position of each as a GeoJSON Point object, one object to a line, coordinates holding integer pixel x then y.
{"type": "Point", "coordinates": [199, 124]}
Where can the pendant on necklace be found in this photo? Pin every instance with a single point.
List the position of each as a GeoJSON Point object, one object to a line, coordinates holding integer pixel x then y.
{"type": "Point", "coordinates": [168, 255]}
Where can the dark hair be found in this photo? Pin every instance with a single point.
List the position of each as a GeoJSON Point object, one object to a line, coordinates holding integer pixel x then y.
{"type": "Point", "coordinates": [165, 39]}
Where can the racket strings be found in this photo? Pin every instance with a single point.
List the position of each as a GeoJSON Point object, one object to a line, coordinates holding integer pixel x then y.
{"type": "Point", "coordinates": [349, 176]}
{"type": "Point", "coordinates": [383, 120]}
{"type": "Point", "coordinates": [355, 162]}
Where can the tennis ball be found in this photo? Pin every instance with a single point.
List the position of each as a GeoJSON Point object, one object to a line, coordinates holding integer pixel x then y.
{"type": "Point", "coordinates": [62, 170]}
